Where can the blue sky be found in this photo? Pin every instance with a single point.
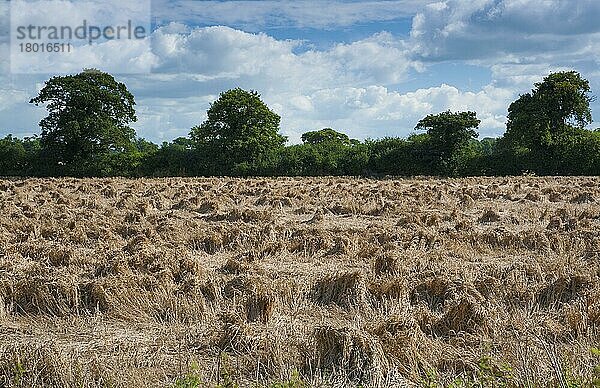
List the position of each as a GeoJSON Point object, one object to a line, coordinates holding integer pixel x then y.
{"type": "Point", "coordinates": [368, 68]}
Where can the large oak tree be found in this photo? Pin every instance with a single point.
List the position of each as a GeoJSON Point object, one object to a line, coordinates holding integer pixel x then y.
{"type": "Point", "coordinates": [87, 128]}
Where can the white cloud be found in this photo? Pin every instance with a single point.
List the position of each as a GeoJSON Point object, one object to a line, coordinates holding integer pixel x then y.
{"type": "Point", "coordinates": [223, 52]}
{"type": "Point", "coordinates": [4, 39]}
{"type": "Point", "coordinates": [345, 87]}
{"type": "Point", "coordinates": [216, 52]}
{"type": "Point", "coordinates": [375, 111]}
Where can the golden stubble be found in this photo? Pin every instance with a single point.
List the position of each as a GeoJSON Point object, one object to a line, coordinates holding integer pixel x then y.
{"type": "Point", "coordinates": [346, 281]}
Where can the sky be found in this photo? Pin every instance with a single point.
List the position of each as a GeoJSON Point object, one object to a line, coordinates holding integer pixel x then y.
{"type": "Point", "coordinates": [369, 69]}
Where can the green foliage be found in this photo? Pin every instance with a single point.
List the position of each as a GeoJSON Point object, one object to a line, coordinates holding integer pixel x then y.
{"type": "Point", "coordinates": [494, 374]}
{"type": "Point", "coordinates": [178, 158]}
{"type": "Point", "coordinates": [476, 158]}
{"type": "Point", "coordinates": [564, 100]}
{"type": "Point", "coordinates": [395, 156]}
{"type": "Point", "coordinates": [324, 152]}
{"type": "Point", "coordinates": [294, 382]}
{"type": "Point", "coordinates": [19, 373]}
{"type": "Point", "coordinates": [190, 380]}
{"type": "Point", "coordinates": [19, 157]}
{"type": "Point", "coordinates": [327, 135]}
{"type": "Point", "coordinates": [13, 157]}
{"type": "Point", "coordinates": [448, 134]}
{"type": "Point", "coordinates": [547, 122]}
{"type": "Point", "coordinates": [596, 369]}
{"type": "Point", "coordinates": [239, 133]}
{"type": "Point", "coordinates": [87, 126]}
{"type": "Point", "coordinates": [430, 380]}
{"type": "Point", "coordinates": [226, 379]}
{"type": "Point", "coordinates": [193, 379]}
{"type": "Point", "coordinates": [489, 373]}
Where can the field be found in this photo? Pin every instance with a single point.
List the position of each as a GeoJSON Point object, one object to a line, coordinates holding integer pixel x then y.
{"type": "Point", "coordinates": [304, 282]}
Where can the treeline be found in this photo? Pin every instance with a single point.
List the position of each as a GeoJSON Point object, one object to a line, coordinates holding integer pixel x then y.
{"type": "Point", "coordinates": [87, 133]}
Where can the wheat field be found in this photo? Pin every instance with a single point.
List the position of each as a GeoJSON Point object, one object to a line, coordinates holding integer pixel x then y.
{"type": "Point", "coordinates": [308, 281]}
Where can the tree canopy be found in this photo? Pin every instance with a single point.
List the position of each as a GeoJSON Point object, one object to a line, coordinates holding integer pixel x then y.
{"type": "Point", "coordinates": [240, 130]}
{"type": "Point", "coordinates": [448, 133]}
{"type": "Point", "coordinates": [88, 121]}
{"type": "Point", "coordinates": [556, 105]}
{"type": "Point", "coordinates": [326, 135]}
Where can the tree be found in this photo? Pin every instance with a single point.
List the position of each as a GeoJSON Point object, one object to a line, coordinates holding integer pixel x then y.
{"type": "Point", "coordinates": [88, 122]}
{"type": "Point", "coordinates": [239, 133]}
{"type": "Point", "coordinates": [324, 152]}
{"type": "Point", "coordinates": [19, 157]}
{"type": "Point", "coordinates": [13, 156]}
{"type": "Point", "coordinates": [543, 124]}
{"type": "Point", "coordinates": [449, 133]}
{"type": "Point", "coordinates": [556, 105]}
{"type": "Point", "coordinates": [177, 158]}
{"type": "Point", "coordinates": [327, 135]}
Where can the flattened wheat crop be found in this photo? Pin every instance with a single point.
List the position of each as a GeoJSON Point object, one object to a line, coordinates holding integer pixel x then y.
{"type": "Point", "coordinates": [308, 281]}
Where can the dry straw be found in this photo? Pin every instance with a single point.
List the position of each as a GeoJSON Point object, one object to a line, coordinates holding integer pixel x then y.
{"type": "Point", "coordinates": [341, 281]}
